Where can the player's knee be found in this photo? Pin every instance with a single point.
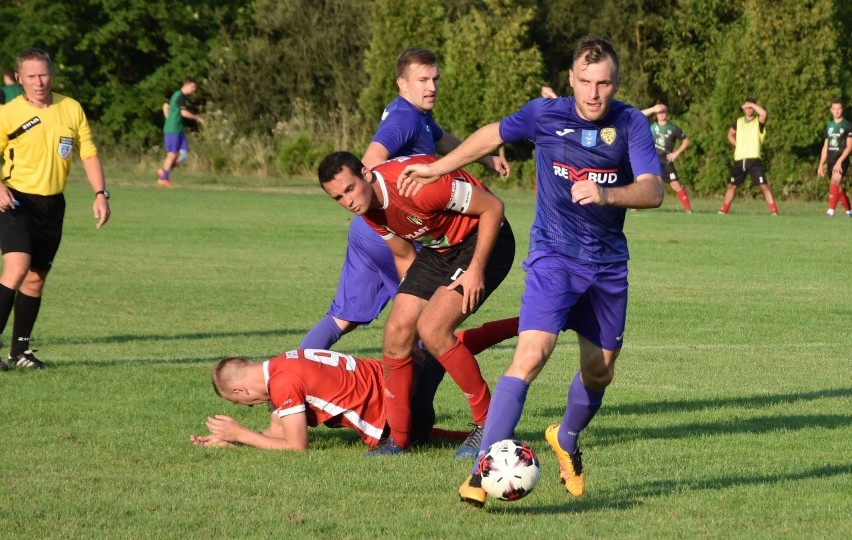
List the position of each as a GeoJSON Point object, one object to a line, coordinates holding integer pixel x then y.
{"type": "Point", "coordinates": [437, 340]}
{"type": "Point", "coordinates": [399, 339]}
{"type": "Point", "coordinates": [598, 378]}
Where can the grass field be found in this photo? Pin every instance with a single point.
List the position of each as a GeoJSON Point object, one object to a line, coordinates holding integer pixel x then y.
{"type": "Point", "coordinates": [730, 415]}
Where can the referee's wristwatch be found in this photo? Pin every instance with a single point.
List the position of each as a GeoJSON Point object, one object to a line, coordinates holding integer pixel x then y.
{"type": "Point", "coordinates": [103, 192]}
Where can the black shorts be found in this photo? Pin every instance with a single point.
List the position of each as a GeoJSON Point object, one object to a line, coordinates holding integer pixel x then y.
{"type": "Point", "coordinates": [750, 167]}
{"type": "Point", "coordinates": [669, 173]}
{"type": "Point", "coordinates": [830, 165]}
{"type": "Point", "coordinates": [432, 269]}
{"type": "Point", "coordinates": [34, 227]}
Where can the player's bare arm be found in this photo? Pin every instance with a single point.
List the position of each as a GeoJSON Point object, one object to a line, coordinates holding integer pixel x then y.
{"type": "Point", "coordinates": [192, 116]}
{"type": "Point", "coordinates": [483, 142]}
{"type": "Point", "coordinates": [684, 144]}
{"type": "Point", "coordinates": [376, 153]}
{"type": "Point", "coordinates": [732, 137]}
{"type": "Point", "coordinates": [284, 433]}
{"type": "Point", "coordinates": [837, 170]}
{"type": "Point", "coordinates": [95, 174]}
{"type": "Point", "coordinates": [823, 156]}
{"type": "Point", "coordinates": [645, 192]}
{"type": "Point", "coordinates": [450, 142]}
{"type": "Point", "coordinates": [489, 209]}
{"type": "Point", "coordinates": [403, 254]}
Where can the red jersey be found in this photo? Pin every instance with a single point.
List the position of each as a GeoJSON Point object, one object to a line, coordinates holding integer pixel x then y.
{"type": "Point", "coordinates": [330, 388]}
{"type": "Point", "coordinates": [434, 217]}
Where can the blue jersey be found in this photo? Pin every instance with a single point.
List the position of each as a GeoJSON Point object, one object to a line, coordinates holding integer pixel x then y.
{"type": "Point", "coordinates": [611, 152]}
{"type": "Point", "coordinates": [404, 130]}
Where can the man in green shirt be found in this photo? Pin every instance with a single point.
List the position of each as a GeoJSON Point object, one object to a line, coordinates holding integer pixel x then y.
{"type": "Point", "coordinates": [835, 152]}
{"type": "Point", "coordinates": [175, 139]}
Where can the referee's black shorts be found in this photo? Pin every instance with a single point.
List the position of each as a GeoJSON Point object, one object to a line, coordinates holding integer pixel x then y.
{"type": "Point", "coordinates": [34, 227]}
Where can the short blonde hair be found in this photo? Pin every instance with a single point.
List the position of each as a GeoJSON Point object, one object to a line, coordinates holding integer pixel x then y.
{"type": "Point", "coordinates": [226, 371]}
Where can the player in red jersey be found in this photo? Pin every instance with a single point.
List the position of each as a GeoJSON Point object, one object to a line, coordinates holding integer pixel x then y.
{"type": "Point", "coordinates": [306, 388]}
{"type": "Point", "coordinates": [468, 249]}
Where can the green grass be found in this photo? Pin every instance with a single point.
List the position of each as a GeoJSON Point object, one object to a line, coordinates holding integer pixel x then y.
{"type": "Point", "coordinates": [730, 415]}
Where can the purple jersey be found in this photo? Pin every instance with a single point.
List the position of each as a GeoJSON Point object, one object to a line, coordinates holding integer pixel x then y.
{"type": "Point", "coordinates": [405, 131]}
{"type": "Point", "coordinates": [611, 152]}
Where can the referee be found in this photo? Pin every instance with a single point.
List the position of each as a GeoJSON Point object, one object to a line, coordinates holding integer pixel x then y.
{"type": "Point", "coordinates": [39, 131]}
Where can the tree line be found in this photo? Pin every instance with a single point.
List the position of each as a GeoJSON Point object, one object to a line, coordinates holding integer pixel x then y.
{"type": "Point", "coordinates": [282, 82]}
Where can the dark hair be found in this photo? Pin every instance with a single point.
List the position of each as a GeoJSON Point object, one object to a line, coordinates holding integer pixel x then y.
{"type": "Point", "coordinates": [34, 54]}
{"type": "Point", "coordinates": [333, 163]}
{"type": "Point", "coordinates": [9, 73]}
{"type": "Point", "coordinates": [414, 55]}
{"type": "Point", "coordinates": [751, 99]}
{"type": "Point", "coordinates": [837, 101]}
{"type": "Point", "coordinates": [188, 80]}
{"type": "Point", "coordinates": [593, 50]}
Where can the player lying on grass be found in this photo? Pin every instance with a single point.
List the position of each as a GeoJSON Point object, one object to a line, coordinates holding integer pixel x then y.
{"type": "Point", "coordinates": [309, 387]}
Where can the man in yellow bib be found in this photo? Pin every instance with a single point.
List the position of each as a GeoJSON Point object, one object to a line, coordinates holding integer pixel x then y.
{"type": "Point", "coordinates": [746, 135]}
{"type": "Point", "coordinates": [39, 131]}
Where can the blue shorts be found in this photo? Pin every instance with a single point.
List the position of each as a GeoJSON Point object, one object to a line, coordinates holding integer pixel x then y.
{"type": "Point", "coordinates": [563, 293]}
{"type": "Point", "coordinates": [176, 142]}
{"type": "Point", "coordinates": [368, 279]}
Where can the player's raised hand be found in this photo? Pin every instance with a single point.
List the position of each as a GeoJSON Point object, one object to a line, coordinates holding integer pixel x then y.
{"type": "Point", "coordinates": [414, 177]}
{"type": "Point", "coordinates": [498, 164]}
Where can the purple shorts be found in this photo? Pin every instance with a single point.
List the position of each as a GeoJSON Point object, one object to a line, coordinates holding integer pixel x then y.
{"type": "Point", "coordinates": [562, 293]}
{"type": "Point", "coordinates": [176, 142]}
{"type": "Point", "coordinates": [368, 279]}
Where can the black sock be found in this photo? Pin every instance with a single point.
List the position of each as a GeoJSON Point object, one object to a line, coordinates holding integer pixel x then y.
{"type": "Point", "coordinates": [26, 312]}
{"type": "Point", "coordinates": [7, 301]}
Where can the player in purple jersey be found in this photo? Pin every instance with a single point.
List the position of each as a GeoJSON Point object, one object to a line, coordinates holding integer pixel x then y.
{"type": "Point", "coordinates": [595, 157]}
{"type": "Point", "coordinates": [369, 277]}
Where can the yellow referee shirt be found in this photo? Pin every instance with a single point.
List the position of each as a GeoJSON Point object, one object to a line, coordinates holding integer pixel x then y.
{"type": "Point", "coordinates": [38, 144]}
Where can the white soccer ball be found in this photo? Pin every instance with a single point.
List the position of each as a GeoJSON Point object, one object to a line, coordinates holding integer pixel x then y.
{"type": "Point", "coordinates": [510, 470]}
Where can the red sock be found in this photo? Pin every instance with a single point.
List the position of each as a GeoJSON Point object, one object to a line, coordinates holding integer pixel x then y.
{"type": "Point", "coordinates": [462, 367]}
{"type": "Point", "coordinates": [491, 333]}
{"type": "Point", "coordinates": [844, 200]}
{"type": "Point", "coordinates": [399, 378]}
{"type": "Point", "coordinates": [773, 208]}
{"type": "Point", "coordinates": [684, 199]}
{"type": "Point", "coordinates": [833, 195]}
{"type": "Point", "coordinates": [725, 208]}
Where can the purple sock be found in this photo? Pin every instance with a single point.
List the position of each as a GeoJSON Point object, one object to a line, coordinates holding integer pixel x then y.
{"type": "Point", "coordinates": [504, 413]}
{"type": "Point", "coordinates": [583, 404]}
{"type": "Point", "coordinates": [323, 335]}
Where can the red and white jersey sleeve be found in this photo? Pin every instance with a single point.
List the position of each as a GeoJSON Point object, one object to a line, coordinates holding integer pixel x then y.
{"type": "Point", "coordinates": [330, 388]}
{"type": "Point", "coordinates": [435, 217]}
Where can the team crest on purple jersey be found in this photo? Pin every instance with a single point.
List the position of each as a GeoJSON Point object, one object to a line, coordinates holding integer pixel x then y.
{"type": "Point", "coordinates": [608, 135]}
{"type": "Point", "coordinates": [590, 137]}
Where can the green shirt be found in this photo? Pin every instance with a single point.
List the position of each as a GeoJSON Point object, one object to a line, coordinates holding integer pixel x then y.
{"type": "Point", "coordinates": [837, 133]}
{"type": "Point", "coordinates": [174, 121]}
{"type": "Point", "coordinates": [11, 91]}
{"type": "Point", "coordinates": [665, 137]}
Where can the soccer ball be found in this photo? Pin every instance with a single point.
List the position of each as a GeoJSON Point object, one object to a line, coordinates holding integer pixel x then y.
{"type": "Point", "coordinates": [509, 469]}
